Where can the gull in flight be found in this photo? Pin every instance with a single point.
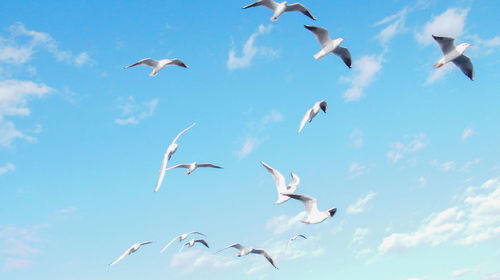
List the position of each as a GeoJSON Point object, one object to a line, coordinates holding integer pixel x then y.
{"type": "Point", "coordinates": [312, 112]}
{"type": "Point", "coordinates": [280, 8]}
{"type": "Point", "coordinates": [293, 239]}
{"type": "Point", "coordinates": [281, 185]}
{"type": "Point", "coordinates": [166, 157]}
{"type": "Point", "coordinates": [454, 54]}
{"type": "Point", "coordinates": [180, 238]}
{"type": "Point", "coordinates": [193, 241]}
{"type": "Point", "coordinates": [129, 251]}
{"type": "Point", "coordinates": [329, 46]}
{"type": "Point", "coordinates": [158, 65]}
{"type": "Point", "coordinates": [192, 166]}
{"type": "Point", "coordinates": [250, 250]}
{"type": "Point", "coordinates": [314, 216]}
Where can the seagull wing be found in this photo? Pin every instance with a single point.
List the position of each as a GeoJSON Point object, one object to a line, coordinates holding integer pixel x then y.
{"type": "Point", "coordinates": [344, 54]}
{"type": "Point", "coordinates": [182, 132]}
{"type": "Point", "coordinates": [178, 62]}
{"type": "Point", "coordinates": [162, 171]}
{"type": "Point", "coordinates": [300, 236]}
{"type": "Point", "coordinates": [146, 62]}
{"type": "Point", "coordinates": [169, 243]}
{"type": "Point", "coordinates": [178, 166]}
{"type": "Point", "coordinates": [208, 165]}
{"type": "Point", "coordinates": [265, 254]}
{"type": "Point", "coordinates": [195, 232]}
{"type": "Point", "coordinates": [297, 7]}
{"type": "Point", "coordinates": [305, 118]}
{"type": "Point", "coordinates": [321, 34]}
{"type": "Point", "coordinates": [295, 180]}
{"type": "Point", "coordinates": [310, 203]}
{"type": "Point", "coordinates": [145, 243]}
{"type": "Point", "coordinates": [235, 245]}
{"type": "Point", "coordinates": [202, 242]}
{"type": "Point", "coordinates": [266, 3]}
{"type": "Point", "coordinates": [465, 65]}
{"type": "Point", "coordinates": [445, 43]}
{"type": "Point", "coordinates": [278, 178]}
{"type": "Point", "coordinates": [127, 252]}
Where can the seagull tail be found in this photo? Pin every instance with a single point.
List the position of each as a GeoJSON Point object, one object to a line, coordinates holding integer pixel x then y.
{"type": "Point", "coordinates": [320, 55]}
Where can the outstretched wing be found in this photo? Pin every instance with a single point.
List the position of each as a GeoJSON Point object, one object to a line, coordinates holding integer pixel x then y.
{"type": "Point", "coordinates": [178, 62]}
{"type": "Point", "coordinates": [305, 118]}
{"type": "Point", "coordinates": [162, 171]}
{"type": "Point", "coordinates": [195, 232]}
{"type": "Point", "coordinates": [445, 43]}
{"type": "Point", "coordinates": [321, 34]}
{"type": "Point", "coordinates": [182, 132]}
{"type": "Point", "coordinates": [127, 252]}
{"type": "Point", "coordinates": [266, 3]}
{"type": "Point", "coordinates": [265, 254]}
{"type": "Point", "coordinates": [208, 165]}
{"type": "Point", "coordinates": [344, 54]}
{"type": "Point", "coordinates": [310, 203]}
{"type": "Point", "coordinates": [295, 180]}
{"type": "Point", "coordinates": [146, 62]}
{"type": "Point", "coordinates": [465, 65]}
{"type": "Point", "coordinates": [279, 180]}
{"type": "Point", "coordinates": [202, 242]}
{"type": "Point", "coordinates": [178, 166]}
{"type": "Point", "coordinates": [235, 245]}
{"type": "Point", "coordinates": [297, 7]}
{"type": "Point", "coordinates": [169, 243]}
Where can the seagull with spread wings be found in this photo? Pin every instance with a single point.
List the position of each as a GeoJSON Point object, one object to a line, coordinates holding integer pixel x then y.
{"type": "Point", "coordinates": [280, 8]}
{"type": "Point", "coordinates": [314, 216]}
{"type": "Point", "coordinates": [193, 166]}
{"type": "Point", "coordinates": [281, 183]}
{"type": "Point", "coordinates": [329, 46]}
{"type": "Point", "coordinates": [454, 54]}
{"type": "Point", "coordinates": [158, 65]}
{"type": "Point", "coordinates": [194, 241]}
{"type": "Point", "coordinates": [293, 239]}
{"type": "Point", "coordinates": [180, 238]}
{"type": "Point", "coordinates": [244, 250]}
{"type": "Point", "coordinates": [312, 112]}
{"type": "Point", "coordinates": [129, 251]}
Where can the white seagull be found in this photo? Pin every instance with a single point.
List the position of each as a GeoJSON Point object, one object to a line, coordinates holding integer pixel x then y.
{"type": "Point", "coordinates": [180, 238]}
{"type": "Point", "coordinates": [250, 250]}
{"type": "Point", "coordinates": [454, 54]}
{"type": "Point", "coordinates": [280, 8]}
{"type": "Point", "coordinates": [158, 65]}
{"type": "Point", "coordinates": [192, 166]}
{"type": "Point", "coordinates": [329, 46]}
{"type": "Point", "coordinates": [193, 241]}
{"type": "Point", "coordinates": [314, 216]}
{"type": "Point", "coordinates": [312, 112]}
{"type": "Point", "coordinates": [166, 157]}
{"type": "Point", "coordinates": [281, 184]}
{"type": "Point", "coordinates": [129, 251]}
{"type": "Point", "coordinates": [293, 239]}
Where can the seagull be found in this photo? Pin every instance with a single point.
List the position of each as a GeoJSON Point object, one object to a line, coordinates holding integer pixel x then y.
{"type": "Point", "coordinates": [180, 238]}
{"type": "Point", "coordinates": [329, 46]}
{"type": "Point", "coordinates": [193, 241]}
{"type": "Point", "coordinates": [312, 112]}
{"type": "Point", "coordinates": [192, 166]}
{"type": "Point", "coordinates": [129, 251]}
{"type": "Point", "coordinates": [293, 239]}
{"type": "Point", "coordinates": [454, 54]}
{"type": "Point", "coordinates": [314, 216]}
{"type": "Point", "coordinates": [157, 65]}
{"type": "Point", "coordinates": [166, 157]}
{"type": "Point", "coordinates": [280, 8]}
{"type": "Point", "coordinates": [250, 250]}
{"type": "Point", "coordinates": [280, 183]}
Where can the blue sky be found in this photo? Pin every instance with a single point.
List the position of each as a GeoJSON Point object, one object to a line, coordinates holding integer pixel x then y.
{"type": "Point", "coordinates": [409, 155]}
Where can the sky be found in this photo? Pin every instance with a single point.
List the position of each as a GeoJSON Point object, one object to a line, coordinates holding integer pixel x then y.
{"type": "Point", "coordinates": [408, 154]}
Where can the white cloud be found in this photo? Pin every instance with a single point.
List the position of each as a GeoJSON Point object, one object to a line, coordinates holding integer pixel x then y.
{"type": "Point", "coordinates": [364, 69]}
{"type": "Point", "coordinates": [16, 264]}
{"type": "Point", "coordinates": [250, 51]}
{"type": "Point", "coordinates": [83, 59]}
{"type": "Point", "coordinates": [363, 252]}
{"type": "Point", "coordinates": [400, 150]}
{"type": "Point", "coordinates": [437, 74]}
{"type": "Point", "coordinates": [356, 169]}
{"type": "Point", "coordinates": [422, 180]}
{"type": "Point", "coordinates": [468, 132]}
{"type": "Point", "coordinates": [133, 113]}
{"type": "Point", "coordinates": [395, 27]}
{"type": "Point", "coordinates": [359, 235]}
{"type": "Point", "coordinates": [199, 259]}
{"type": "Point", "coordinates": [247, 147]}
{"type": "Point", "coordinates": [468, 164]}
{"type": "Point", "coordinates": [273, 117]}
{"type": "Point", "coordinates": [356, 137]}
{"type": "Point", "coordinates": [361, 204]}
{"type": "Point", "coordinates": [68, 210]}
{"type": "Point", "coordinates": [8, 167]}
{"type": "Point", "coordinates": [449, 24]}
{"type": "Point", "coordinates": [284, 223]}
{"type": "Point", "coordinates": [460, 272]}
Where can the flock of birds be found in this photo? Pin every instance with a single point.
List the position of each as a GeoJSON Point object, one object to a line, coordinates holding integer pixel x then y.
{"type": "Point", "coordinates": [451, 53]}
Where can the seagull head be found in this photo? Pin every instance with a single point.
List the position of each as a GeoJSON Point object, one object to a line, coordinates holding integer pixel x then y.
{"type": "Point", "coordinates": [462, 47]}
{"type": "Point", "coordinates": [323, 106]}
{"type": "Point", "coordinates": [332, 211]}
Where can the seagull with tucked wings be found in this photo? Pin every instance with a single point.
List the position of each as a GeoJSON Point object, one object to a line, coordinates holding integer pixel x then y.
{"type": "Point", "coordinates": [312, 112]}
{"type": "Point", "coordinates": [129, 251]}
{"type": "Point", "coordinates": [329, 46]}
{"type": "Point", "coordinates": [293, 239]}
{"type": "Point", "coordinates": [158, 65]}
{"type": "Point", "coordinates": [280, 8]}
{"type": "Point", "coordinates": [454, 54]}
{"type": "Point", "coordinates": [281, 183]}
{"type": "Point", "coordinates": [180, 238]}
{"type": "Point", "coordinates": [244, 250]}
{"type": "Point", "coordinates": [314, 216]}
{"type": "Point", "coordinates": [193, 166]}
{"type": "Point", "coordinates": [166, 157]}
{"type": "Point", "coordinates": [194, 241]}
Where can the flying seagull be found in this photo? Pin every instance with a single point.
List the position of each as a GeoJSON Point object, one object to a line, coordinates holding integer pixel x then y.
{"type": "Point", "coordinates": [314, 216]}
{"type": "Point", "coordinates": [329, 46]}
{"type": "Point", "coordinates": [293, 239]}
{"type": "Point", "coordinates": [281, 184]}
{"type": "Point", "coordinates": [166, 157]}
{"type": "Point", "coordinates": [129, 251]}
{"type": "Point", "coordinates": [193, 241]}
{"type": "Point", "coordinates": [280, 8]}
{"type": "Point", "coordinates": [454, 54]}
{"type": "Point", "coordinates": [157, 65]}
{"type": "Point", "coordinates": [180, 238]}
{"type": "Point", "coordinates": [312, 112]}
{"type": "Point", "coordinates": [192, 166]}
{"type": "Point", "coordinates": [250, 250]}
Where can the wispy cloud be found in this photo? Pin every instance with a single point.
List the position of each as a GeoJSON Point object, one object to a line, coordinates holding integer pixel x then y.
{"type": "Point", "coordinates": [399, 150]}
{"type": "Point", "coordinates": [361, 204]}
{"type": "Point", "coordinates": [356, 137]}
{"type": "Point", "coordinates": [359, 235]}
{"type": "Point", "coordinates": [18, 246]}
{"type": "Point", "coordinates": [68, 210]}
{"type": "Point", "coordinates": [250, 51]}
{"type": "Point", "coordinates": [468, 132]}
{"type": "Point", "coordinates": [247, 147]}
{"type": "Point", "coordinates": [365, 69]}
{"type": "Point", "coordinates": [16, 264]}
{"type": "Point", "coordinates": [132, 112]}
{"type": "Point", "coordinates": [284, 223]}
{"type": "Point", "coordinates": [396, 26]}
{"type": "Point", "coordinates": [197, 259]}
{"type": "Point", "coordinates": [356, 169]}
{"type": "Point", "coordinates": [449, 24]}
{"type": "Point", "coordinates": [8, 167]}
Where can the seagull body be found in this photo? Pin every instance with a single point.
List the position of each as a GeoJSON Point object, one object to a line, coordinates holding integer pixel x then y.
{"type": "Point", "coordinates": [312, 112]}
{"type": "Point", "coordinates": [454, 54]}
{"type": "Point", "coordinates": [180, 238]}
{"type": "Point", "coordinates": [244, 250]}
{"type": "Point", "coordinates": [329, 46]}
{"type": "Point", "coordinates": [193, 166]}
{"type": "Point", "coordinates": [281, 184]}
{"type": "Point", "coordinates": [280, 8]}
{"type": "Point", "coordinates": [129, 251]}
{"type": "Point", "coordinates": [166, 157]}
{"type": "Point", "coordinates": [293, 239]}
{"type": "Point", "coordinates": [314, 216]}
{"type": "Point", "coordinates": [158, 65]}
{"type": "Point", "coordinates": [193, 241]}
